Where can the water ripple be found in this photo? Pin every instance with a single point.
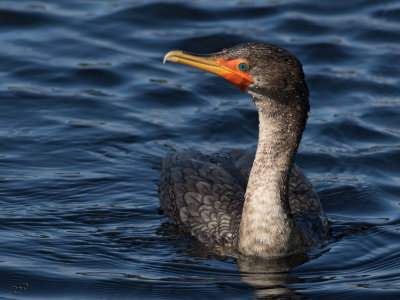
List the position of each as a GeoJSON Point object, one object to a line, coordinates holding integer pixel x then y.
{"type": "Point", "coordinates": [88, 110]}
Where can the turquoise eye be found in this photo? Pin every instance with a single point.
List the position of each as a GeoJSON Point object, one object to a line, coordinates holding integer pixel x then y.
{"type": "Point", "coordinates": [243, 66]}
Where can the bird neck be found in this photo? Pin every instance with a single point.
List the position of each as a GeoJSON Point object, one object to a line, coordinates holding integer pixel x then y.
{"type": "Point", "coordinates": [267, 227]}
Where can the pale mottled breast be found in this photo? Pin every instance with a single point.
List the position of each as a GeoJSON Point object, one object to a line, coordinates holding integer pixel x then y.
{"type": "Point", "coordinates": [204, 194]}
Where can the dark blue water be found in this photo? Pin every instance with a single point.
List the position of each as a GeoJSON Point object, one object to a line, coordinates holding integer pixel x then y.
{"type": "Point", "coordinates": [88, 110]}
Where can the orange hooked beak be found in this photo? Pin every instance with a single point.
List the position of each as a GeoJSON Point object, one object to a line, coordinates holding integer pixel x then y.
{"type": "Point", "coordinates": [226, 68]}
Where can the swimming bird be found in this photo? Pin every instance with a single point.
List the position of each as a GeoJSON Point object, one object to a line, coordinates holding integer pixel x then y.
{"type": "Point", "coordinates": [241, 202]}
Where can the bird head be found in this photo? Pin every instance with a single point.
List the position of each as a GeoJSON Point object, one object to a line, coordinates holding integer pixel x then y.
{"type": "Point", "coordinates": [256, 68]}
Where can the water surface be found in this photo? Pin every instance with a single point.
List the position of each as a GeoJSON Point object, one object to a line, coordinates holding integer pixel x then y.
{"type": "Point", "coordinates": [88, 110]}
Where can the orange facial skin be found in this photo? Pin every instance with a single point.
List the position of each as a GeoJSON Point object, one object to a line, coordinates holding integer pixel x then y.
{"type": "Point", "coordinates": [238, 78]}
